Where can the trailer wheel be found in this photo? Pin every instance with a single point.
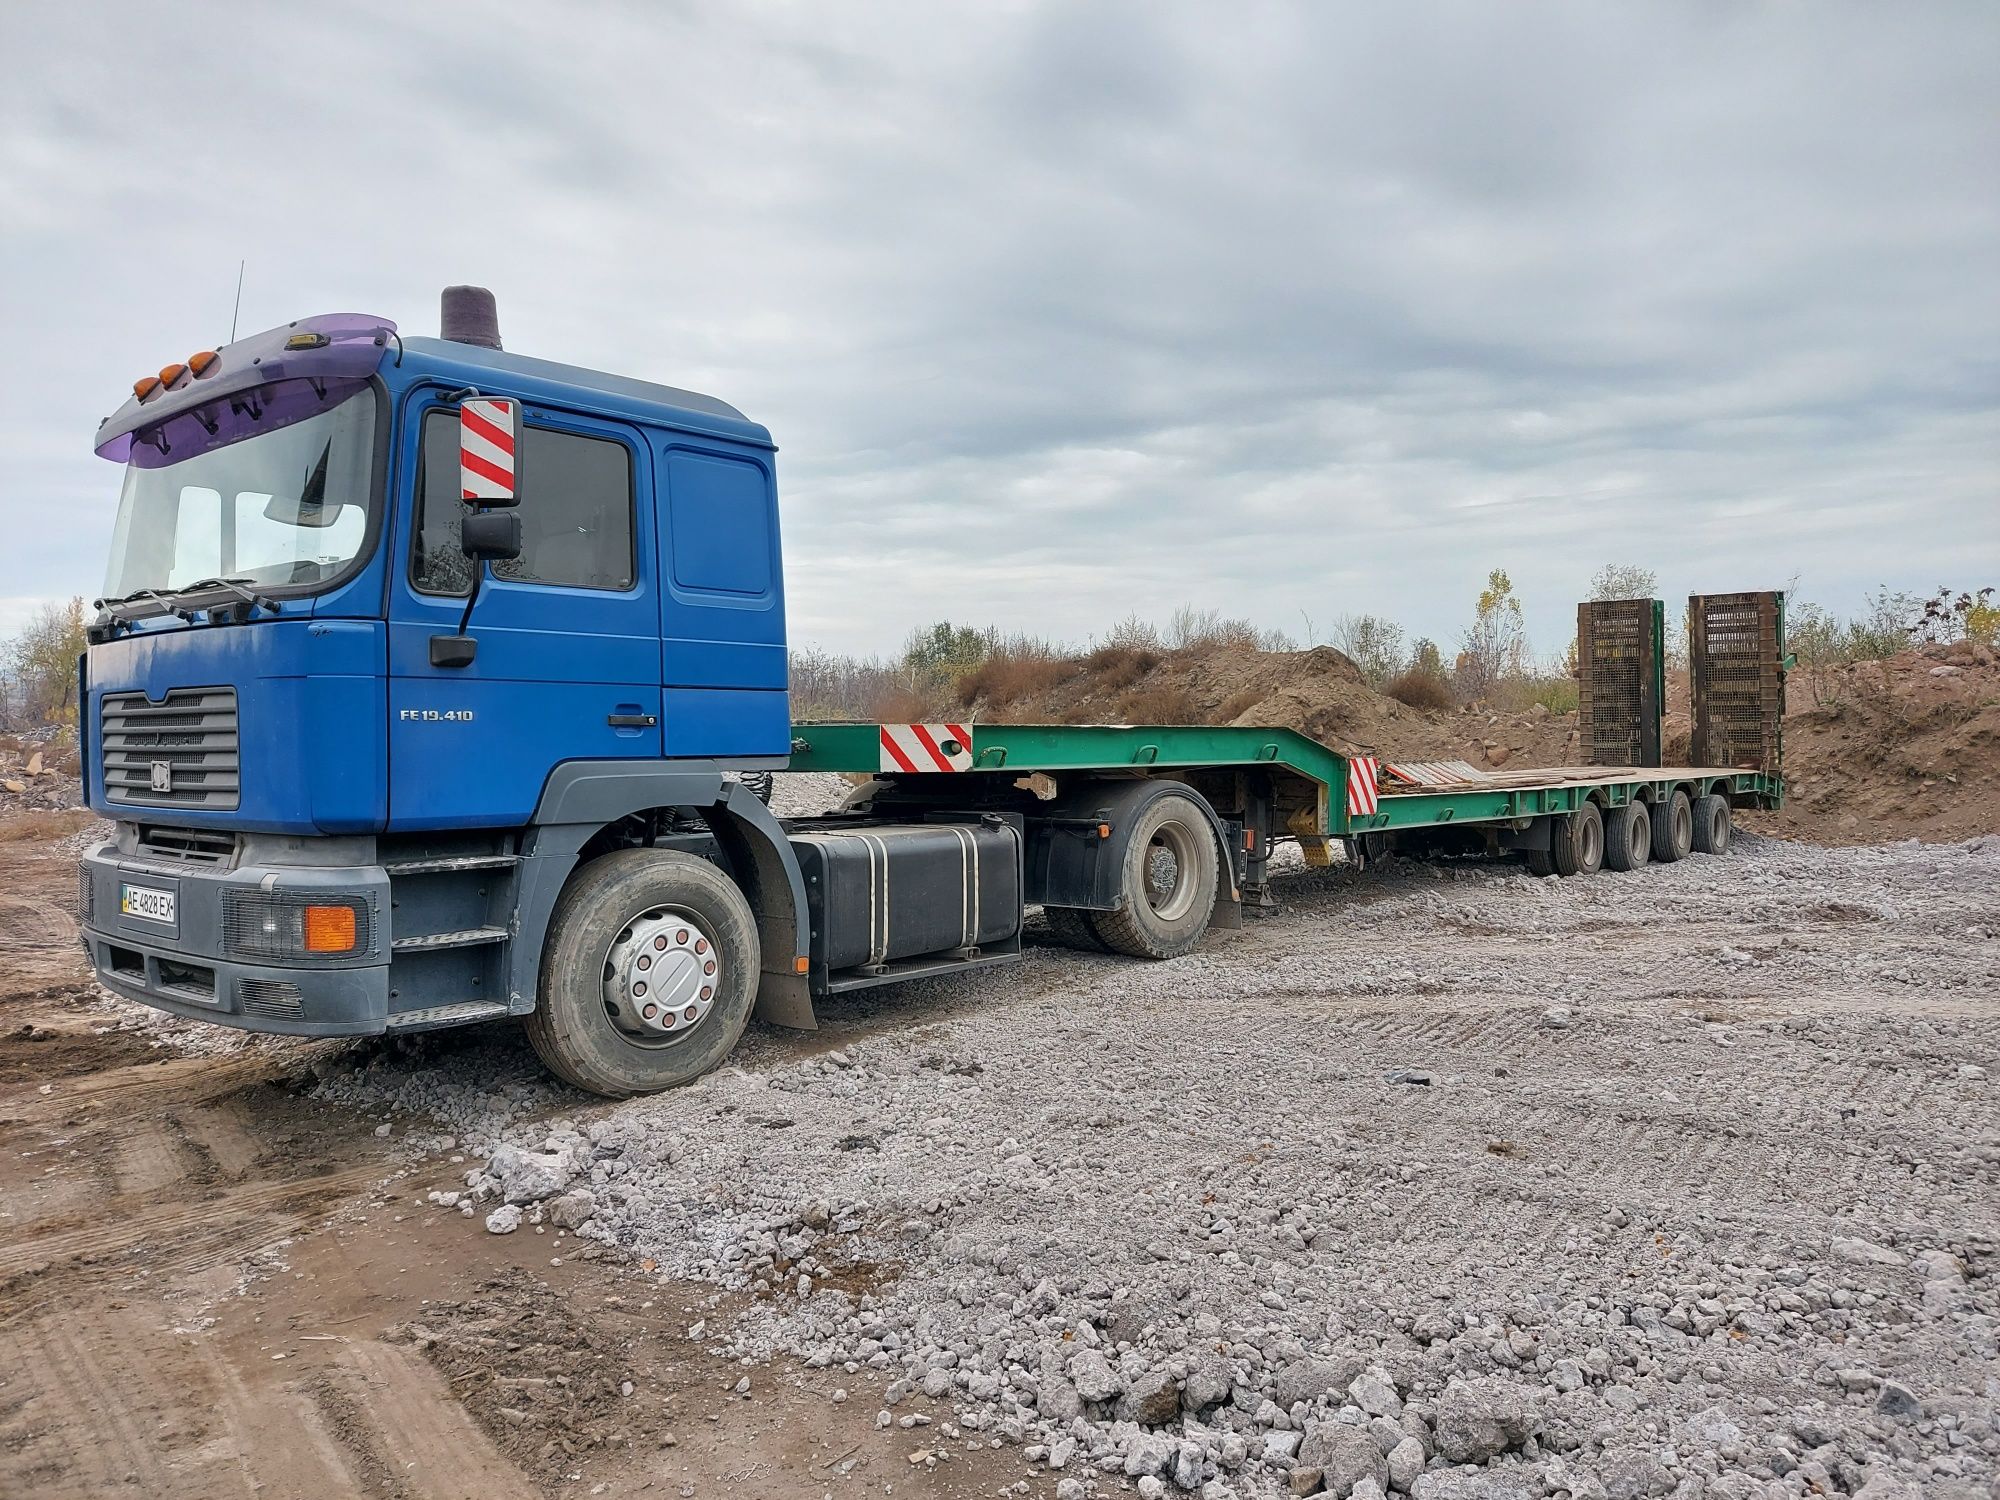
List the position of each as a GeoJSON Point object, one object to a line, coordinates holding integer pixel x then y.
{"type": "Point", "coordinates": [1071, 927]}
{"type": "Point", "coordinates": [1539, 861]}
{"type": "Point", "coordinates": [1711, 824]}
{"type": "Point", "coordinates": [1168, 883]}
{"type": "Point", "coordinates": [1628, 836]}
{"type": "Point", "coordinates": [1576, 841]}
{"type": "Point", "coordinates": [648, 973]}
{"type": "Point", "coordinates": [1673, 829]}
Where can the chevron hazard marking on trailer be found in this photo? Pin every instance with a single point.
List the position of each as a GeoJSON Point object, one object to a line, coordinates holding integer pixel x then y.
{"type": "Point", "coordinates": [1361, 785]}
{"type": "Point", "coordinates": [926, 747]}
{"type": "Point", "coordinates": [486, 450]}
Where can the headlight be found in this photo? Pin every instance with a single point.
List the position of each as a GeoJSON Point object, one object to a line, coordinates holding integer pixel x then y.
{"type": "Point", "coordinates": [295, 925]}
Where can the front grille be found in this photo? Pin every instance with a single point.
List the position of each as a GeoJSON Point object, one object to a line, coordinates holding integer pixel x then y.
{"type": "Point", "coordinates": [276, 999]}
{"type": "Point", "coordinates": [192, 846]}
{"type": "Point", "coordinates": [179, 752]}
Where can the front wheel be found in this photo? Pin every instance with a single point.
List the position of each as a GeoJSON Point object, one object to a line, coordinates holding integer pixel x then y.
{"type": "Point", "coordinates": [649, 973]}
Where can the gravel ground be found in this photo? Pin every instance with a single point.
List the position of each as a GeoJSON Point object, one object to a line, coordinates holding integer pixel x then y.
{"type": "Point", "coordinates": [1443, 1180]}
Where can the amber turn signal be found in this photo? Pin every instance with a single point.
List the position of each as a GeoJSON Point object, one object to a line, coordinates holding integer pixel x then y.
{"type": "Point", "coordinates": [329, 929]}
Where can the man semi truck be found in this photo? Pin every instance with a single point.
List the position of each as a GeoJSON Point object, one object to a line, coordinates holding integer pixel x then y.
{"type": "Point", "coordinates": [428, 677]}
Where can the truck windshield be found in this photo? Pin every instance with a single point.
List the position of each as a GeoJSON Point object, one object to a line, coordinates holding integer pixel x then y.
{"type": "Point", "coordinates": [285, 507]}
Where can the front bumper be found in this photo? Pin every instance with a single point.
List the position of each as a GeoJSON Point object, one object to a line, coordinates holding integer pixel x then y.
{"type": "Point", "coordinates": [188, 967]}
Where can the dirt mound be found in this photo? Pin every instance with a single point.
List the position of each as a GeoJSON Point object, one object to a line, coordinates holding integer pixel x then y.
{"type": "Point", "coordinates": [1908, 747]}
{"type": "Point", "coordinates": [1319, 692]}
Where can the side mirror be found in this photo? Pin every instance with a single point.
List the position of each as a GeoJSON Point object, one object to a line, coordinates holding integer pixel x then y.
{"type": "Point", "coordinates": [489, 438]}
{"type": "Point", "coordinates": [491, 535]}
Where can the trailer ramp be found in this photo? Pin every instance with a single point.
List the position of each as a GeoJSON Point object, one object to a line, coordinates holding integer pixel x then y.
{"type": "Point", "coordinates": [1621, 680]}
{"type": "Point", "coordinates": [1736, 670]}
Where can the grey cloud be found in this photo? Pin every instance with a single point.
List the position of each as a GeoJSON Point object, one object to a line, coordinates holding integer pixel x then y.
{"type": "Point", "coordinates": [1059, 311]}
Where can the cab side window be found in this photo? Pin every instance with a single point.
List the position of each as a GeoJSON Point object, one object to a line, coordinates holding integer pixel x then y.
{"type": "Point", "coordinates": [576, 512]}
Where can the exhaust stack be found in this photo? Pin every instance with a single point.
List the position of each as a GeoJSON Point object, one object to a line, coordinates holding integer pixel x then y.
{"type": "Point", "coordinates": [468, 315]}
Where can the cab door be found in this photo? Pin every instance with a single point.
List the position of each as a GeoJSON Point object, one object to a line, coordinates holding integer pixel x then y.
{"type": "Point", "coordinates": [568, 658]}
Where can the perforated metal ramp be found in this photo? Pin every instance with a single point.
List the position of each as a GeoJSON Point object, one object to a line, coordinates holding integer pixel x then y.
{"type": "Point", "coordinates": [1736, 651]}
{"type": "Point", "coordinates": [1621, 682]}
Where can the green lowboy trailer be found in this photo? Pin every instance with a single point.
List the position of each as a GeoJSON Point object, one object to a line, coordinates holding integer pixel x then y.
{"type": "Point", "coordinates": [1138, 838]}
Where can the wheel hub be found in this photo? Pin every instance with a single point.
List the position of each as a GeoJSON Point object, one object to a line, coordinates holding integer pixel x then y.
{"type": "Point", "coordinates": [661, 976]}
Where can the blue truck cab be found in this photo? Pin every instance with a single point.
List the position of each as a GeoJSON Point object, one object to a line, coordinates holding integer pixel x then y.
{"type": "Point", "coordinates": [326, 824]}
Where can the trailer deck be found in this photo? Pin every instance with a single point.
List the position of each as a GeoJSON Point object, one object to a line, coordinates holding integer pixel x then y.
{"type": "Point", "coordinates": [1317, 791]}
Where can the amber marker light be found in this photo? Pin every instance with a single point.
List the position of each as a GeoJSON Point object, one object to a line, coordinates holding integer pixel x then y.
{"type": "Point", "coordinates": [329, 929]}
{"type": "Point", "coordinates": [203, 363]}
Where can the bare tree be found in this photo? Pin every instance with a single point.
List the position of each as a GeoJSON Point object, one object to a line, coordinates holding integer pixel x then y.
{"type": "Point", "coordinates": [1623, 581]}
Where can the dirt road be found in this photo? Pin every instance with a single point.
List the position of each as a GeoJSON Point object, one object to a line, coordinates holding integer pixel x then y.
{"type": "Point", "coordinates": [1612, 1143]}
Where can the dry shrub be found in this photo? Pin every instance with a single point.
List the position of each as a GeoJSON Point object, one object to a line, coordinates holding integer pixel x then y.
{"type": "Point", "coordinates": [1008, 677]}
{"type": "Point", "coordinates": [1238, 705]}
{"type": "Point", "coordinates": [45, 827]}
{"type": "Point", "coordinates": [899, 705]}
{"type": "Point", "coordinates": [1417, 688]}
{"type": "Point", "coordinates": [1165, 705]}
{"type": "Point", "coordinates": [1113, 669]}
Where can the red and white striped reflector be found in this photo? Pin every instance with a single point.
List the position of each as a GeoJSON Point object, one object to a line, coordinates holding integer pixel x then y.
{"type": "Point", "coordinates": [486, 450]}
{"type": "Point", "coordinates": [1362, 774]}
{"type": "Point", "coordinates": [926, 747]}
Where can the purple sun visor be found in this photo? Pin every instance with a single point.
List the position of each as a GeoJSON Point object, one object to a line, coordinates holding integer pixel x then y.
{"type": "Point", "coordinates": [258, 384]}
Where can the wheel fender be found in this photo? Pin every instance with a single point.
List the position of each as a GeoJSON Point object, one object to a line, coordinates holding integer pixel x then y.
{"type": "Point", "coordinates": [582, 797]}
{"type": "Point", "coordinates": [1091, 880]}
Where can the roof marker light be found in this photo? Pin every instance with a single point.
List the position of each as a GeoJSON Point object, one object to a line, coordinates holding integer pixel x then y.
{"type": "Point", "coordinates": [171, 373]}
{"type": "Point", "coordinates": [146, 387]}
{"type": "Point", "coordinates": [203, 363]}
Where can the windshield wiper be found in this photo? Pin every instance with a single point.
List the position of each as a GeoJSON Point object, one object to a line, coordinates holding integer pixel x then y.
{"type": "Point", "coordinates": [235, 586]}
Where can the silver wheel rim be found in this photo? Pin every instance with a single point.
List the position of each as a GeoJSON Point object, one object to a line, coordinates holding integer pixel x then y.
{"type": "Point", "coordinates": [1592, 842]}
{"type": "Point", "coordinates": [1167, 874]}
{"type": "Point", "coordinates": [661, 976]}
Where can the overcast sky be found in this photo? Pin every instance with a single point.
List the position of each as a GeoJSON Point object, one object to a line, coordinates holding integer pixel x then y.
{"type": "Point", "coordinates": [1060, 312]}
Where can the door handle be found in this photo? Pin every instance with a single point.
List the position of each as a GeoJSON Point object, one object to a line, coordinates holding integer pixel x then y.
{"type": "Point", "coordinates": [631, 721]}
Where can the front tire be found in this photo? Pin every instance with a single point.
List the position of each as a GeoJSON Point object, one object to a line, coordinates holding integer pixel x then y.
{"type": "Point", "coordinates": [649, 973]}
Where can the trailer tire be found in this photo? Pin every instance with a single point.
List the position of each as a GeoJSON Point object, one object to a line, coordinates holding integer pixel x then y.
{"type": "Point", "coordinates": [1711, 824]}
{"type": "Point", "coordinates": [1072, 928]}
{"type": "Point", "coordinates": [1576, 841]}
{"type": "Point", "coordinates": [1163, 924]}
{"type": "Point", "coordinates": [1628, 836]}
{"type": "Point", "coordinates": [597, 940]}
{"type": "Point", "coordinates": [1673, 829]}
{"type": "Point", "coordinates": [1539, 861]}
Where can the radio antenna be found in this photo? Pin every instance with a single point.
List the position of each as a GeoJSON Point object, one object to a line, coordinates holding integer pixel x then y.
{"type": "Point", "coordinates": [238, 308]}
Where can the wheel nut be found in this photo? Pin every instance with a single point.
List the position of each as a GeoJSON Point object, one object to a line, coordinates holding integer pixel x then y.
{"type": "Point", "coordinates": [645, 960]}
{"type": "Point", "coordinates": [650, 1011]}
{"type": "Point", "coordinates": [639, 988]}
{"type": "Point", "coordinates": [660, 942]}
{"type": "Point", "coordinates": [709, 967]}
{"type": "Point", "coordinates": [707, 990]}
{"type": "Point", "coordinates": [689, 1013]}
{"type": "Point", "coordinates": [681, 936]}
{"type": "Point", "coordinates": [701, 945]}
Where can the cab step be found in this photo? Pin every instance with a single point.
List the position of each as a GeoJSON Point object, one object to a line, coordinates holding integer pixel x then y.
{"type": "Point", "coordinates": [468, 937]}
{"type": "Point", "coordinates": [456, 1014]}
{"type": "Point", "coordinates": [451, 863]}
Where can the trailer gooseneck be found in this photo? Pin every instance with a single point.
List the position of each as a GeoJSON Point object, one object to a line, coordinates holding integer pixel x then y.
{"type": "Point", "coordinates": [432, 683]}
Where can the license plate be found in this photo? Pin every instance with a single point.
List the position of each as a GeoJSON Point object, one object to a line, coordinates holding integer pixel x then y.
{"type": "Point", "coordinates": [146, 903]}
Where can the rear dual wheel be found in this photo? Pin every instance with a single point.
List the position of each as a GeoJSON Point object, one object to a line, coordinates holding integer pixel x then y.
{"type": "Point", "coordinates": [1673, 829]}
{"type": "Point", "coordinates": [1712, 829]}
{"type": "Point", "coordinates": [1628, 836]}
